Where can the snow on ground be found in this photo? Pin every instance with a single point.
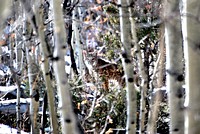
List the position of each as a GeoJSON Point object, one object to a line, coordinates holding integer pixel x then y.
{"type": "Point", "coordinates": [4, 129]}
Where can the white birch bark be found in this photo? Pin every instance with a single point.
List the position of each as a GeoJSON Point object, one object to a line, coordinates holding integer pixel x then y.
{"type": "Point", "coordinates": [174, 65]}
{"type": "Point", "coordinates": [125, 29]}
{"type": "Point", "coordinates": [68, 120]}
{"type": "Point", "coordinates": [191, 30]}
{"type": "Point", "coordinates": [45, 70]}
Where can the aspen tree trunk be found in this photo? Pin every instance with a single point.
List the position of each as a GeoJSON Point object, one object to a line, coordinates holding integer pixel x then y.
{"type": "Point", "coordinates": [174, 65]}
{"type": "Point", "coordinates": [44, 115]}
{"type": "Point", "coordinates": [34, 93]}
{"type": "Point", "coordinates": [125, 29]}
{"type": "Point", "coordinates": [27, 6]}
{"type": "Point", "coordinates": [143, 91]}
{"type": "Point", "coordinates": [159, 70]}
{"type": "Point", "coordinates": [45, 70]}
{"type": "Point", "coordinates": [14, 69]}
{"type": "Point", "coordinates": [143, 86]}
{"type": "Point", "coordinates": [68, 120]}
{"type": "Point", "coordinates": [18, 104]}
{"type": "Point", "coordinates": [17, 82]}
{"type": "Point", "coordinates": [32, 76]}
{"type": "Point", "coordinates": [191, 30]}
{"type": "Point", "coordinates": [19, 58]}
{"type": "Point", "coordinates": [77, 41]}
{"type": "Point", "coordinates": [5, 9]}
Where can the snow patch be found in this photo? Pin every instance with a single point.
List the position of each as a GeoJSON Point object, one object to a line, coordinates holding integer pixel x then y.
{"type": "Point", "coordinates": [4, 129]}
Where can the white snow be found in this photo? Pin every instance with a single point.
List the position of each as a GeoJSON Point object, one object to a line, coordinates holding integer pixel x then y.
{"type": "Point", "coordinates": [7, 88]}
{"type": "Point", "coordinates": [4, 129]}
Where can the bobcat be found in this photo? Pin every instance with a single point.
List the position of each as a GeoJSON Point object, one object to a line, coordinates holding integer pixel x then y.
{"type": "Point", "coordinates": [107, 71]}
